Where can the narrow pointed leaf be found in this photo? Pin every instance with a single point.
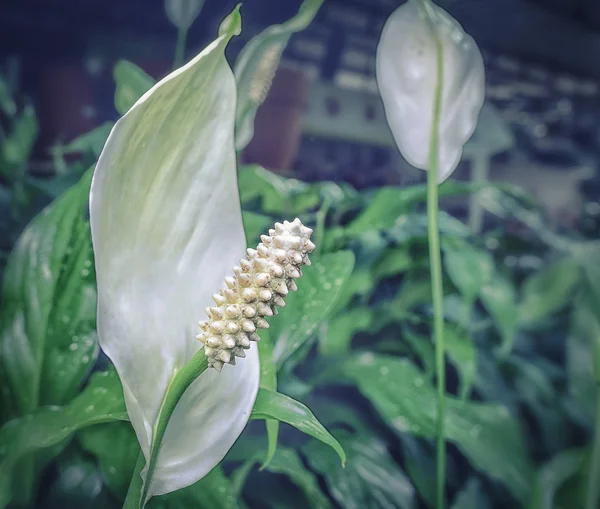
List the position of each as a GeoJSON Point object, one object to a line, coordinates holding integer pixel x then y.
{"type": "Point", "coordinates": [370, 479]}
{"type": "Point", "coordinates": [306, 309]}
{"type": "Point", "coordinates": [499, 297]}
{"type": "Point", "coordinates": [552, 475]}
{"type": "Point", "coordinates": [116, 448]}
{"type": "Point", "coordinates": [487, 434]}
{"type": "Point", "coordinates": [548, 290]}
{"type": "Point", "coordinates": [274, 405]}
{"type": "Point", "coordinates": [471, 496]}
{"type": "Point", "coordinates": [463, 354]}
{"type": "Point", "coordinates": [469, 268]}
{"type": "Point", "coordinates": [47, 326]}
{"type": "Point", "coordinates": [101, 401]}
{"type": "Point", "coordinates": [131, 84]}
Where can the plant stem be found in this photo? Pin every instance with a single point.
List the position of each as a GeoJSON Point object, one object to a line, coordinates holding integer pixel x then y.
{"type": "Point", "coordinates": [435, 266]}
{"type": "Point", "coordinates": [593, 489]}
{"type": "Point", "coordinates": [138, 495]}
{"type": "Point", "coordinates": [134, 493]}
{"type": "Point", "coordinates": [180, 47]}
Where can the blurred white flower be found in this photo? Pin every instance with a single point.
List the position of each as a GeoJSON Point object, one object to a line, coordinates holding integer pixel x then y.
{"type": "Point", "coordinates": [407, 78]}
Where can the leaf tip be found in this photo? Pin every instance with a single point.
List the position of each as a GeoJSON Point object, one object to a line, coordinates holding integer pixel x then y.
{"type": "Point", "coordinates": [232, 24]}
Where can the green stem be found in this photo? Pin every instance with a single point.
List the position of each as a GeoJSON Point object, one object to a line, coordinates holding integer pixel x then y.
{"type": "Point", "coordinates": [180, 47]}
{"type": "Point", "coordinates": [435, 265]}
{"type": "Point", "coordinates": [134, 493]}
{"type": "Point", "coordinates": [138, 495]}
{"type": "Point", "coordinates": [593, 489]}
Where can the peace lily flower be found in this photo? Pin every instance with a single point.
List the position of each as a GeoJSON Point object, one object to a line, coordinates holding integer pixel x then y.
{"type": "Point", "coordinates": [407, 76]}
{"type": "Point", "coordinates": [167, 230]}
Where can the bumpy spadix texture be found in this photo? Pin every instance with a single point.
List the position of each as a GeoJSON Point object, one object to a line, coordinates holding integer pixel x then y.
{"type": "Point", "coordinates": [260, 284]}
{"type": "Point", "coordinates": [167, 228]}
{"type": "Point", "coordinates": [407, 77]}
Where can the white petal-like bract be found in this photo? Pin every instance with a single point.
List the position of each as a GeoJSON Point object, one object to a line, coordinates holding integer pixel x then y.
{"type": "Point", "coordinates": [407, 78]}
{"type": "Point", "coordinates": [167, 228]}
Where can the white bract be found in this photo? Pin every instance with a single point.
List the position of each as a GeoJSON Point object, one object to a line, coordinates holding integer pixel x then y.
{"type": "Point", "coordinates": [167, 229]}
{"type": "Point", "coordinates": [182, 13]}
{"type": "Point", "coordinates": [407, 78]}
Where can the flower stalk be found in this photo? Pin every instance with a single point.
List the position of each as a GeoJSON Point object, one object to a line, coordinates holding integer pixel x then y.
{"type": "Point", "coordinates": [137, 495]}
{"type": "Point", "coordinates": [435, 267]}
{"type": "Point", "coordinates": [593, 488]}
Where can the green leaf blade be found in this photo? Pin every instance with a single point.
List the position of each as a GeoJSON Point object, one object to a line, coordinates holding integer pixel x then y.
{"type": "Point", "coordinates": [273, 405]}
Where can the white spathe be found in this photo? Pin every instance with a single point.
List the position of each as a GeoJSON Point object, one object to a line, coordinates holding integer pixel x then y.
{"type": "Point", "coordinates": [407, 77]}
{"type": "Point", "coordinates": [167, 228]}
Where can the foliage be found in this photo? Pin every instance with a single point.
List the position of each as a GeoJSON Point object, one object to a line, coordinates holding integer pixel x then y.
{"type": "Point", "coordinates": [353, 345]}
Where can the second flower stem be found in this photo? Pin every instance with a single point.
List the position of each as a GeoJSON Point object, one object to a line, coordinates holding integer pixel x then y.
{"type": "Point", "coordinates": [138, 493]}
{"type": "Point", "coordinates": [180, 47]}
{"type": "Point", "coordinates": [435, 266]}
{"type": "Point", "coordinates": [593, 490]}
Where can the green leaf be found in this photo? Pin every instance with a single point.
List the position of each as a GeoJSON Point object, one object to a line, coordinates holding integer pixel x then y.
{"type": "Point", "coordinates": [371, 477]}
{"type": "Point", "coordinates": [273, 405]}
{"type": "Point", "coordinates": [17, 146]}
{"type": "Point", "coordinates": [268, 381]}
{"type": "Point", "coordinates": [340, 330]}
{"type": "Point", "coordinates": [214, 491]}
{"type": "Point", "coordinates": [101, 401]}
{"type": "Point", "coordinates": [92, 141]}
{"type": "Point", "coordinates": [394, 261]}
{"type": "Point", "coordinates": [7, 103]}
{"type": "Point", "coordinates": [548, 291]}
{"type": "Point", "coordinates": [277, 194]}
{"type": "Point", "coordinates": [487, 434]}
{"type": "Point", "coordinates": [287, 462]}
{"type": "Point", "coordinates": [471, 496]}
{"type": "Point", "coordinates": [117, 449]}
{"type": "Point", "coordinates": [500, 300]}
{"type": "Point", "coordinates": [590, 299]}
{"type": "Point", "coordinates": [414, 291]}
{"type": "Point", "coordinates": [584, 330]}
{"type": "Point", "coordinates": [317, 294]}
{"type": "Point", "coordinates": [469, 268]}
{"type": "Point", "coordinates": [419, 461]}
{"type": "Point", "coordinates": [47, 326]}
{"type": "Point", "coordinates": [256, 64]}
{"type": "Point", "coordinates": [131, 84]}
{"type": "Point", "coordinates": [389, 203]}
{"type": "Point", "coordinates": [463, 354]}
{"type": "Point", "coordinates": [360, 283]}
{"type": "Point", "coordinates": [412, 227]}
{"type": "Point", "coordinates": [552, 476]}
{"type": "Point", "coordinates": [77, 484]}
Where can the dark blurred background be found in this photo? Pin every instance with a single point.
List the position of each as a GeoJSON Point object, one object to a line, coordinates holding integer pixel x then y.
{"type": "Point", "coordinates": [323, 118]}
